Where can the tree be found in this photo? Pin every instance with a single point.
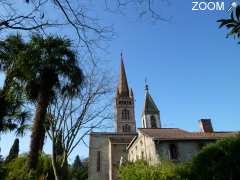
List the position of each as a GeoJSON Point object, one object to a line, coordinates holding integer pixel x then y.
{"type": "Point", "coordinates": [17, 169]}
{"type": "Point", "coordinates": [13, 114]}
{"type": "Point", "coordinates": [79, 170]}
{"type": "Point", "coordinates": [141, 170]}
{"type": "Point", "coordinates": [48, 66]}
{"type": "Point", "coordinates": [44, 67]}
{"type": "Point", "coordinates": [220, 160]}
{"type": "Point", "coordinates": [233, 23]}
{"type": "Point", "coordinates": [75, 118]}
{"type": "Point", "coordinates": [13, 153]}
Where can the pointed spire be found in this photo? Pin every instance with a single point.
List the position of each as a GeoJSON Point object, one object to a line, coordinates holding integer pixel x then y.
{"type": "Point", "coordinates": [149, 106]}
{"type": "Point", "coordinates": [123, 84]}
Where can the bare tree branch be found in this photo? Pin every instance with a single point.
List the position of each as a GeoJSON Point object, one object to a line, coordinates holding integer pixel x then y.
{"type": "Point", "coordinates": [47, 16]}
{"type": "Point", "coordinates": [76, 117]}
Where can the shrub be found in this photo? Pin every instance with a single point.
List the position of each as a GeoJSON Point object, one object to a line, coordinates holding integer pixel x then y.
{"type": "Point", "coordinates": [220, 160]}
{"type": "Point", "coordinates": [17, 169]}
{"type": "Point", "coordinates": [141, 170]}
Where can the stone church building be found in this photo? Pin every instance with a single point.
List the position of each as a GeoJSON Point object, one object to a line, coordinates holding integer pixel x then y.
{"type": "Point", "coordinates": [152, 142]}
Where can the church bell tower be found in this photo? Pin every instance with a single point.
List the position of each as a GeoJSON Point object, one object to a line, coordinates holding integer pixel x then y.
{"type": "Point", "coordinates": [150, 114]}
{"type": "Point", "coordinates": [124, 104]}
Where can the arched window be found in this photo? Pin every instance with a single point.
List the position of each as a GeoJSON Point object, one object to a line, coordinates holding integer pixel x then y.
{"type": "Point", "coordinates": [125, 114]}
{"type": "Point", "coordinates": [153, 122]}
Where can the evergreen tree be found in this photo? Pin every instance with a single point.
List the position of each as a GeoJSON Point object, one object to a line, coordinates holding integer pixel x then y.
{"type": "Point", "coordinates": [79, 170]}
{"type": "Point", "coordinates": [13, 153]}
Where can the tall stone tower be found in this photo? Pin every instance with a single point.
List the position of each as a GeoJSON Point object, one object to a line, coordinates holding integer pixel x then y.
{"type": "Point", "coordinates": [150, 114]}
{"type": "Point", "coordinates": [124, 105]}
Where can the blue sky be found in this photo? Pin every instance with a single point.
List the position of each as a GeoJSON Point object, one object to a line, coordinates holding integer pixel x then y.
{"type": "Point", "coordinates": [191, 68]}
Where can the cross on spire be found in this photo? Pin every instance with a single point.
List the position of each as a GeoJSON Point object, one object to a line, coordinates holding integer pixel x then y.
{"type": "Point", "coordinates": [146, 85]}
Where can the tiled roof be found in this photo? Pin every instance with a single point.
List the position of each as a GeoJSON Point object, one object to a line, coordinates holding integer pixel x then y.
{"type": "Point", "coordinates": [112, 134]}
{"type": "Point", "coordinates": [179, 134]}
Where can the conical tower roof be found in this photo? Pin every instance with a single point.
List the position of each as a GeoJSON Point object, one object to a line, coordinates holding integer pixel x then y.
{"type": "Point", "coordinates": [149, 106]}
{"type": "Point", "coordinates": [123, 84]}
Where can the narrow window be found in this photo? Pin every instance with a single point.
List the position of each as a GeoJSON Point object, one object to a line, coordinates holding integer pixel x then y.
{"type": "Point", "coordinates": [125, 114]}
{"type": "Point", "coordinates": [123, 128]}
{"type": "Point", "coordinates": [153, 122]}
{"type": "Point", "coordinates": [173, 151]}
{"type": "Point", "coordinates": [126, 128]}
{"type": "Point", "coordinates": [98, 161]}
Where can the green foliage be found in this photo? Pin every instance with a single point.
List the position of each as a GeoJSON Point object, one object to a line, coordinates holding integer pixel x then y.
{"type": "Point", "coordinates": [13, 114]}
{"type": "Point", "coordinates": [2, 168]}
{"type": "Point", "coordinates": [43, 68]}
{"type": "Point", "coordinates": [220, 160]}
{"type": "Point", "coordinates": [141, 170]}
{"type": "Point", "coordinates": [233, 23]}
{"type": "Point", "coordinates": [17, 169]}
{"type": "Point", "coordinates": [79, 169]}
{"type": "Point", "coordinates": [13, 151]}
{"type": "Point", "coordinates": [216, 161]}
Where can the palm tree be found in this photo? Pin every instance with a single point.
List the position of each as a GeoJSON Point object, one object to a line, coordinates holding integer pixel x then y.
{"type": "Point", "coordinates": [12, 114]}
{"type": "Point", "coordinates": [233, 23]}
{"type": "Point", "coordinates": [42, 68]}
{"type": "Point", "coordinates": [48, 66]}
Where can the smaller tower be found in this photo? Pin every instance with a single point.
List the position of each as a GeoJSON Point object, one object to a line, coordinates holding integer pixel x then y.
{"type": "Point", "coordinates": [150, 114]}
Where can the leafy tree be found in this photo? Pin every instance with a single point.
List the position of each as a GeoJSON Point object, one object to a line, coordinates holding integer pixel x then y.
{"type": "Point", "coordinates": [17, 169]}
{"type": "Point", "coordinates": [141, 170]}
{"type": "Point", "coordinates": [12, 114]}
{"type": "Point", "coordinates": [50, 66]}
{"type": "Point", "coordinates": [233, 23]}
{"type": "Point", "coordinates": [79, 170]}
{"type": "Point", "coordinates": [13, 151]}
{"type": "Point", "coordinates": [220, 160]}
{"type": "Point", "coordinates": [44, 67]}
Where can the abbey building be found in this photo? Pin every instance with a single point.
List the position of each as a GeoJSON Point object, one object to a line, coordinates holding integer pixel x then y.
{"type": "Point", "coordinates": [152, 142]}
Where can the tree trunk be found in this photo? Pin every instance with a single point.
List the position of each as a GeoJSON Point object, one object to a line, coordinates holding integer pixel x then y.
{"type": "Point", "coordinates": [38, 131]}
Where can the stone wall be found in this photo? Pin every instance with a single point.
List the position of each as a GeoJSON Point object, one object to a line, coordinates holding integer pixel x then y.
{"type": "Point", "coordinates": [144, 147]}
{"type": "Point", "coordinates": [186, 149]}
{"type": "Point", "coordinates": [98, 143]}
{"type": "Point", "coordinates": [112, 147]}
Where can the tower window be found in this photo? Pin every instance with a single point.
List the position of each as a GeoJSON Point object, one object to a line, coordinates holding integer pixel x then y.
{"type": "Point", "coordinates": [153, 122]}
{"type": "Point", "coordinates": [126, 128]}
{"type": "Point", "coordinates": [173, 151]}
{"type": "Point", "coordinates": [125, 114]}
